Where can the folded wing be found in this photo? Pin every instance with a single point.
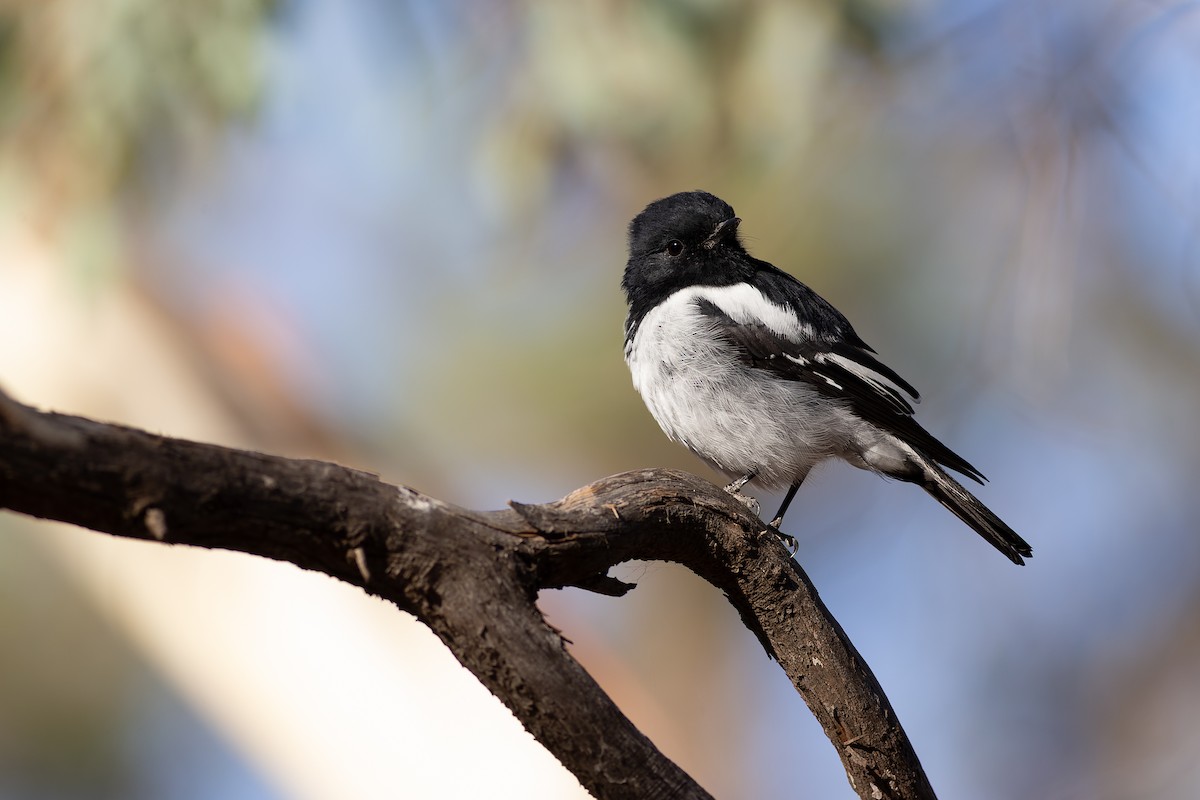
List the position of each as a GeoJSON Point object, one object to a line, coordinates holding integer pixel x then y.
{"type": "Point", "coordinates": [844, 370]}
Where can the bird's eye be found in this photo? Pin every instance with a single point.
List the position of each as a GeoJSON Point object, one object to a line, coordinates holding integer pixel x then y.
{"type": "Point", "coordinates": [674, 247]}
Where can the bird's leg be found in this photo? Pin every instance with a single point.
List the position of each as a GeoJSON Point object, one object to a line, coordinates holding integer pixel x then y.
{"type": "Point", "coordinates": [736, 486]}
{"type": "Point", "coordinates": [788, 540]}
{"type": "Point", "coordinates": [787, 501]}
{"type": "Point", "coordinates": [735, 489]}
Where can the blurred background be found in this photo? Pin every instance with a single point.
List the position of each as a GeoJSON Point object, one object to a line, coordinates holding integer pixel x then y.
{"type": "Point", "coordinates": [391, 234]}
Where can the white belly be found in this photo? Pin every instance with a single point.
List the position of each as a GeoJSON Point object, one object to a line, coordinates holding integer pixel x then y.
{"type": "Point", "coordinates": [737, 418]}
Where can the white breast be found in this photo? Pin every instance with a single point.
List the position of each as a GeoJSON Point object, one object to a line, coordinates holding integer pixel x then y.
{"type": "Point", "coordinates": [736, 418]}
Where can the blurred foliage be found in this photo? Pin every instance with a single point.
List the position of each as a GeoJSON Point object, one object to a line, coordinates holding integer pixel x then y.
{"type": "Point", "coordinates": [677, 90]}
{"type": "Point", "coordinates": [89, 87]}
{"type": "Point", "coordinates": [84, 83]}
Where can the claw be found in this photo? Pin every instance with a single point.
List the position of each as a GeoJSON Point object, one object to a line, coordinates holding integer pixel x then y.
{"type": "Point", "coordinates": [788, 540]}
{"type": "Point", "coordinates": [749, 502]}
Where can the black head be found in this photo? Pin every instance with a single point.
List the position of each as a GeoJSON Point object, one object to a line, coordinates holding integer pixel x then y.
{"type": "Point", "coordinates": [683, 240]}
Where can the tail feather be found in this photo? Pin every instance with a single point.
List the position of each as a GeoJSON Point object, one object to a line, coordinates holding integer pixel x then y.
{"type": "Point", "coordinates": [970, 510]}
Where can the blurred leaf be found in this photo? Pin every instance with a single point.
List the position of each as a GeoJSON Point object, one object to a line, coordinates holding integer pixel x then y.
{"type": "Point", "coordinates": [90, 87]}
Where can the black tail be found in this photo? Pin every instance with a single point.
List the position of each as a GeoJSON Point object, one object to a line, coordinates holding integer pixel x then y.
{"type": "Point", "coordinates": [967, 507]}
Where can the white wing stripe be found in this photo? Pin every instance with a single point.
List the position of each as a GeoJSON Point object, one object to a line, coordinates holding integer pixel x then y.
{"type": "Point", "coordinates": [830, 381]}
{"type": "Point", "coordinates": [746, 305]}
{"type": "Point", "coordinates": [881, 382]}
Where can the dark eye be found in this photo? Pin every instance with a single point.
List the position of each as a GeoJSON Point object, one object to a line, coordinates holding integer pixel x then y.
{"type": "Point", "coordinates": [674, 247]}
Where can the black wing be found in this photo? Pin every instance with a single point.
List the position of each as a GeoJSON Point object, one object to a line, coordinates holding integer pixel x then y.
{"type": "Point", "coordinates": [845, 370]}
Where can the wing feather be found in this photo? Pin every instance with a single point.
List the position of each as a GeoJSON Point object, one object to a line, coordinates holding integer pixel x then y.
{"type": "Point", "coordinates": [845, 371]}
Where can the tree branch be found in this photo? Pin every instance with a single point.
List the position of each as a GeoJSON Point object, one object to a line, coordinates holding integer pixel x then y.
{"type": "Point", "coordinates": [473, 577]}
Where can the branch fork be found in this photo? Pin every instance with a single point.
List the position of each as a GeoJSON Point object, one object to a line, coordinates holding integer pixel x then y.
{"type": "Point", "coordinates": [473, 576]}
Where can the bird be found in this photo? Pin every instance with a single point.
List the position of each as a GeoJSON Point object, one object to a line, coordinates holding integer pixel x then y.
{"type": "Point", "coordinates": [762, 378]}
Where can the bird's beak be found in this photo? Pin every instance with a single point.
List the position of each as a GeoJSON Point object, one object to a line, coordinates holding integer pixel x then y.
{"type": "Point", "coordinates": [723, 230]}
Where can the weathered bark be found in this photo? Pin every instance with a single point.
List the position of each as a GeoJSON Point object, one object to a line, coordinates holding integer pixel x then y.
{"type": "Point", "coordinates": [472, 576]}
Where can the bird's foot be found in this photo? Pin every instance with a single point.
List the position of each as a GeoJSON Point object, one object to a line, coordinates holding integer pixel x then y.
{"type": "Point", "coordinates": [788, 540]}
{"type": "Point", "coordinates": [749, 502]}
{"type": "Point", "coordinates": [735, 488]}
